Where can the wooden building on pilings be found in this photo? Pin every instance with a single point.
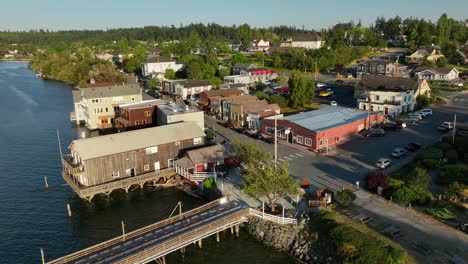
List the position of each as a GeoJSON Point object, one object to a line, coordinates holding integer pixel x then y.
{"type": "Point", "coordinates": [118, 161]}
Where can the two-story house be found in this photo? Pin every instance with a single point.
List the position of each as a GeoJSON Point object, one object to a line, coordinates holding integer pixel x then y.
{"type": "Point", "coordinates": [185, 89]}
{"type": "Point", "coordinates": [259, 74]}
{"type": "Point", "coordinates": [438, 74]}
{"type": "Point", "coordinates": [205, 97]}
{"type": "Point", "coordinates": [96, 106]}
{"type": "Point", "coordinates": [100, 160]}
{"type": "Point", "coordinates": [259, 45]}
{"type": "Point", "coordinates": [138, 115]}
{"type": "Point", "coordinates": [248, 114]}
{"type": "Point", "coordinates": [432, 53]}
{"type": "Point", "coordinates": [238, 67]}
{"type": "Point", "coordinates": [391, 95]}
{"type": "Point", "coordinates": [380, 67]}
{"type": "Point", "coordinates": [157, 64]}
{"type": "Point", "coordinates": [225, 104]}
{"type": "Point", "coordinates": [305, 41]}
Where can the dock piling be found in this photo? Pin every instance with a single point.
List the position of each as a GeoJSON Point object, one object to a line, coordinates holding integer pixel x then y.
{"type": "Point", "coordinates": [42, 256]}
{"type": "Point", "coordinates": [69, 210]}
{"type": "Point", "coordinates": [46, 183]}
{"type": "Point", "coordinates": [217, 236]}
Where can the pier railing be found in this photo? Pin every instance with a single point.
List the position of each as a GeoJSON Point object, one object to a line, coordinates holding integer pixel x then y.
{"type": "Point", "coordinates": [195, 176]}
{"type": "Point", "coordinates": [273, 218]}
{"type": "Point", "coordinates": [110, 243]}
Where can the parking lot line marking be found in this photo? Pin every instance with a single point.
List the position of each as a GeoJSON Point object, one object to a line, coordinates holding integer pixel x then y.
{"type": "Point", "coordinates": [282, 160]}
{"type": "Point", "coordinates": [292, 156]}
{"type": "Point", "coordinates": [299, 154]}
{"type": "Point", "coordinates": [288, 158]}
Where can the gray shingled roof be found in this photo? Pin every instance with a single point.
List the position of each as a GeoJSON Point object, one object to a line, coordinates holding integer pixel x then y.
{"type": "Point", "coordinates": [157, 58]}
{"type": "Point", "coordinates": [144, 104]}
{"type": "Point", "coordinates": [375, 82]}
{"type": "Point", "coordinates": [306, 37]}
{"type": "Point", "coordinates": [110, 91]}
{"type": "Point", "coordinates": [440, 70]}
{"type": "Point", "coordinates": [95, 147]}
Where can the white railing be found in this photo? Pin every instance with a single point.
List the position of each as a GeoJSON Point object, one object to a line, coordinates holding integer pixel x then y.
{"type": "Point", "coordinates": [196, 176]}
{"type": "Point", "coordinates": [273, 218]}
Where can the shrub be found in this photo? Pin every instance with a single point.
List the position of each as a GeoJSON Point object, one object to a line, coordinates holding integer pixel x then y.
{"type": "Point", "coordinates": [452, 156]}
{"type": "Point", "coordinates": [422, 100]}
{"type": "Point", "coordinates": [451, 173]}
{"type": "Point", "coordinates": [278, 99]}
{"type": "Point", "coordinates": [411, 193]}
{"type": "Point", "coordinates": [208, 183]}
{"type": "Point", "coordinates": [430, 164]}
{"type": "Point", "coordinates": [377, 180]}
{"type": "Point", "coordinates": [439, 100]}
{"type": "Point", "coordinates": [444, 146]}
{"type": "Point", "coordinates": [433, 153]}
{"type": "Point", "coordinates": [209, 135]}
{"type": "Point", "coordinates": [345, 197]}
{"type": "Point", "coordinates": [445, 213]}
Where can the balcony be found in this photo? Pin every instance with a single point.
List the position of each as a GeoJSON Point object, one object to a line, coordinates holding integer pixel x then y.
{"type": "Point", "coordinates": [380, 102]}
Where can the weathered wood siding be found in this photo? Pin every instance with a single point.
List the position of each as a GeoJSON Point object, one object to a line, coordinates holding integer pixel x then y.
{"type": "Point", "coordinates": [99, 170]}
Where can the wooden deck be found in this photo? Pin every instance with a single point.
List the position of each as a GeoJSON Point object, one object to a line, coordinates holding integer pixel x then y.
{"type": "Point", "coordinates": [89, 192]}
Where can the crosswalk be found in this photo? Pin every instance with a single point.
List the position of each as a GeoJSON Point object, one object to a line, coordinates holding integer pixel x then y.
{"type": "Point", "coordinates": [459, 99]}
{"type": "Point", "coordinates": [291, 157]}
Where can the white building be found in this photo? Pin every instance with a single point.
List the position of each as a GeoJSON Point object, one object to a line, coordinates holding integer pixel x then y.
{"type": "Point", "coordinates": [307, 41]}
{"type": "Point", "coordinates": [171, 113]}
{"type": "Point", "coordinates": [259, 45]}
{"type": "Point", "coordinates": [438, 74]}
{"type": "Point", "coordinates": [185, 89]}
{"type": "Point", "coordinates": [155, 65]}
{"type": "Point", "coordinates": [390, 95]}
{"type": "Point", "coordinates": [244, 79]}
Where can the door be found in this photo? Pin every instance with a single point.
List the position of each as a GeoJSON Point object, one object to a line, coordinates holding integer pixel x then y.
{"type": "Point", "coordinates": [170, 163]}
{"type": "Point", "coordinates": [132, 172]}
{"type": "Point", "coordinates": [157, 166]}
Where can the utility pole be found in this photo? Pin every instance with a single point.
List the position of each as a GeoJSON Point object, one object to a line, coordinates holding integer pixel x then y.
{"type": "Point", "coordinates": [454, 127]}
{"type": "Point", "coordinates": [315, 74]}
{"type": "Point", "coordinates": [276, 144]}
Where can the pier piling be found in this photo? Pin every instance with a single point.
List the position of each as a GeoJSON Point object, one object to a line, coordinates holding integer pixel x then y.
{"type": "Point", "coordinates": [46, 183]}
{"type": "Point", "coordinates": [69, 210]}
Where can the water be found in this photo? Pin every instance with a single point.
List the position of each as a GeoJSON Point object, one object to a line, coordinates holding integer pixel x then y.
{"type": "Point", "coordinates": [32, 217]}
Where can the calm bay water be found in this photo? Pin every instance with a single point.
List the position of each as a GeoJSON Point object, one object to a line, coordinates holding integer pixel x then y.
{"type": "Point", "coordinates": [32, 217]}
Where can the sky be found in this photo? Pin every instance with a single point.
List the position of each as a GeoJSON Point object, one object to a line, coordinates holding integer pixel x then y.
{"type": "Point", "coordinates": [312, 14]}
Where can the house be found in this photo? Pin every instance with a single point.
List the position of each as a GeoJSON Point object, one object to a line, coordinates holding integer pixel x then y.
{"type": "Point", "coordinates": [318, 130]}
{"type": "Point", "coordinates": [202, 161]}
{"type": "Point", "coordinates": [398, 41]}
{"type": "Point", "coordinates": [306, 41]}
{"type": "Point", "coordinates": [238, 67]}
{"type": "Point", "coordinates": [380, 67]}
{"type": "Point", "coordinates": [259, 45]}
{"type": "Point", "coordinates": [95, 106]}
{"type": "Point", "coordinates": [225, 104]}
{"type": "Point", "coordinates": [157, 64]}
{"type": "Point", "coordinates": [259, 74]}
{"type": "Point", "coordinates": [390, 95]}
{"type": "Point", "coordinates": [438, 74]}
{"type": "Point", "coordinates": [104, 159]}
{"type": "Point", "coordinates": [170, 113]}
{"type": "Point", "coordinates": [206, 97]}
{"type": "Point", "coordinates": [243, 79]}
{"type": "Point", "coordinates": [432, 53]}
{"type": "Point", "coordinates": [138, 115]}
{"type": "Point", "coordinates": [239, 86]}
{"type": "Point", "coordinates": [185, 89]}
{"type": "Point", "coordinates": [239, 113]}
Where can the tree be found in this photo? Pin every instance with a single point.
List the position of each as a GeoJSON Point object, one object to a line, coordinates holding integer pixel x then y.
{"type": "Point", "coordinates": [123, 46]}
{"type": "Point", "coordinates": [428, 63]}
{"type": "Point", "coordinates": [194, 70]}
{"type": "Point", "coordinates": [444, 29]}
{"type": "Point", "coordinates": [250, 154]}
{"type": "Point", "coordinates": [153, 83]}
{"type": "Point", "coordinates": [442, 62]}
{"type": "Point", "coordinates": [270, 182]}
{"type": "Point", "coordinates": [422, 100]}
{"type": "Point", "coordinates": [302, 90]}
{"type": "Point", "coordinates": [345, 197]}
{"type": "Point", "coordinates": [170, 74]}
{"type": "Point", "coordinates": [238, 58]}
{"type": "Point", "coordinates": [375, 180]}
{"type": "Point", "coordinates": [194, 41]}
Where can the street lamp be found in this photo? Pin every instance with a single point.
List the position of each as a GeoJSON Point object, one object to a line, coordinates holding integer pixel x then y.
{"type": "Point", "coordinates": [286, 132]}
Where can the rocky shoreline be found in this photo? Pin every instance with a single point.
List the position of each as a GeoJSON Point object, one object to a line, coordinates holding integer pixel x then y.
{"type": "Point", "coordinates": [293, 239]}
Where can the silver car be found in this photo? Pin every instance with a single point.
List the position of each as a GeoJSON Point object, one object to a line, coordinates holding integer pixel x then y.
{"type": "Point", "coordinates": [383, 163]}
{"type": "Point", "coordinates": [399, 152]}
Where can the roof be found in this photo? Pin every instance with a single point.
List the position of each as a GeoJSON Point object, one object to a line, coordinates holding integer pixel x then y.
{"type": "Point", "coordinates": [327, 117]}
{"type": "Point", "coordinates": [306, 37]}
{"type": "Point", "coordinates": [242, 98]}
{"type": "Point", "coordinates": [173, 109]}
{"type": "Point", "coordinates": [193, 83]}
{"type": "Point", "coordinates": [110, 91]}
{"type": "Point", "coordinates": [420, 53]}
{"type": "Point", "coordinates": [92, 85]}
{"type": "Point", "coordinates": [204, 155]}
{"type": "Point", "coordinates": [441, 70]}
{"type": "Point", "coordinates": [76, 95]}
{"type": "Point", "coordinates": [259, 106]}
{"type": "Point", "coordinates": [223, 92]}
{"type": "Point", "coordinates": [95, 147]}
{"type": "Point", "coordinates": [157, 59]}
{"type": "Point", "coordinates": [243, 65]}
{"type": "Point", "coordinates": [144, 104]}
{"type": "Point", "coordinates": [376, 82]}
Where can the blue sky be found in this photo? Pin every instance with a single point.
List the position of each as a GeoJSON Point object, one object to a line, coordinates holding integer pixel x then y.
{"type": "Point", "coordinates": [312, 14]}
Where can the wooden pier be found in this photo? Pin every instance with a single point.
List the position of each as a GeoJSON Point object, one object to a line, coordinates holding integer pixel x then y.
{"type": "Point", "coordinates": [154, 242]}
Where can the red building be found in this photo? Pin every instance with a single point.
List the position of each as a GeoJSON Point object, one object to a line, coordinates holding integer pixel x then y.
{"type": "Point", "coordinates": [319, 129]}
{"type": "Point", "coordinates": [138, 115]}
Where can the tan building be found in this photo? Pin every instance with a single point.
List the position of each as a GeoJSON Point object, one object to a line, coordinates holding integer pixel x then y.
{"type": "Point", "coordinates": [95, 107]}
{"type": "Point", "coordinates": [239, 113]}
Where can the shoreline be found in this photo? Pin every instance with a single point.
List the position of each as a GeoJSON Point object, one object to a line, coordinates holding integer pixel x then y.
{"type": "Point", "coordinates": [15, 60]}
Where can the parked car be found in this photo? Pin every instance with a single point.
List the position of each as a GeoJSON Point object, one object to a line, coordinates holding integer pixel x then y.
{"type": "Point", "coordinates": [320, 85]}
{"type": "Point", "coordinates": [399, 152]}
{"type": "Point", "coordinates": [339, 82]}
{"type": "Point", "coordinates": [393, 126]}
{"type": "Point", "coordinates": [426, 111]}
{"type": "Point", "coordinates": [377, 132]}
{"type": "Point", "coordinates": [383, 163]}
{"type": "Point", "coordinates": [268, 140]}
{"type": "Point", "coordinates": [324, 94]}
{"type": "Point", "coordinates": [445, 126]}
{"type": "Point", "coordinates": [228, 125]}
{"type": "Point", "coordinates": [256, 135]}
{"type": "Point", "coordinates": [334, 103]}
{"type": "Point", "coordinates": [413, 146]}
{"type": "Point", "coordinates": [240, 130]}
{"type": "Point", "coordinates": [417, 115]}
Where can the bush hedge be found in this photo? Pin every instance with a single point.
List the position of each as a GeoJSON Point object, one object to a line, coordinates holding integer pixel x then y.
{"type": "Point", "coordinates": [452, 156]}
{"type": "Point", "coordinates": [451, 173]}
{"type": "Point", "coordinates": [345, 197]}
{"type": "Point", "coordinates": [445, 213]}
{"type": "Point", "coordinates": [433, 153]}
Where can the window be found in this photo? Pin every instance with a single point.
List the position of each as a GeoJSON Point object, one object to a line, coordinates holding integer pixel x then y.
{"type": "Point", "coordinates": [308, 141]}
{"type": "Point", "coordinates": [143, 122]}
{"type": "Point", "coordinates": [151, 150]}
{"type": "Point", "coordinates": [107, 109]}
{"type": "Point", "coordinates": [147, 113]}
{"type": "Point", "coordinates": [146, 167]}
{"type": "Point", "coordinates": [268, 130]}
{"type": "Point", "coordinates": [299, 139]}
{"type": "Point", "coordinates": [115, 174]}
{"type": "Point", "coordinates": [321, 142]}
{"type": "Point", "coordinates": [197, 141]}
{"type": "Point", "coordinates": [137, 123]}
{"type": "Point", "coordinates": [377, 97]}
{"type": "Point", "coordinates": [133, 98]}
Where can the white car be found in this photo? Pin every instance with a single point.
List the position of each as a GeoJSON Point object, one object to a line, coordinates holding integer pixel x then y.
{"type": "Point", "coordinates": [320, 85]}
{"type": "Point", "coordinates": [426, 112]}
{"type": "Point", "coordinates": [417, 115]}
{"type": "Point", "coordinates": [334, 103]}
{"type": "Point", "coordinates": [383, 163]}
{"type": "Point", "coordinates": [399, 152]}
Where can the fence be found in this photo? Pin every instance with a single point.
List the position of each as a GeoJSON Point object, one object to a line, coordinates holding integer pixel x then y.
{"type": "Point", "coordinates": [273, 218]}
